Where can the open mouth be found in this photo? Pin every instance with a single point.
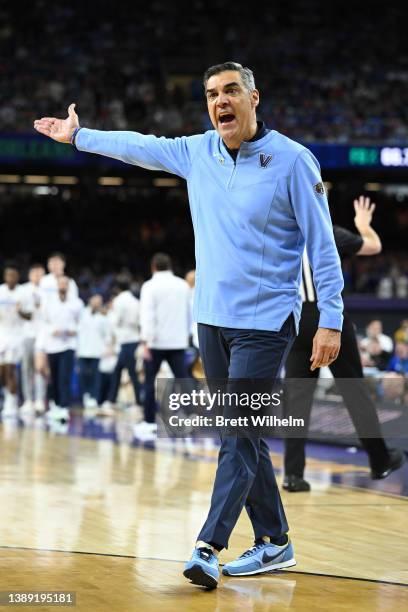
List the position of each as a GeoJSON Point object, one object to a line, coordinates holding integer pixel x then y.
{"type": "Point", "coordinates": [226, 118]}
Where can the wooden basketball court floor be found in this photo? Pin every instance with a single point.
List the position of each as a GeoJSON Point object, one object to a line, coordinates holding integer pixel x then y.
{"type": "Point", "coordinates": [115, 522]}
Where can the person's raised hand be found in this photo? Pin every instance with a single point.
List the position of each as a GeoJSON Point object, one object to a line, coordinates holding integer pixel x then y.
{"type": "Point", "coordinates": [60, 130]}
{"type": "Point", "coordinates": [364, 210]}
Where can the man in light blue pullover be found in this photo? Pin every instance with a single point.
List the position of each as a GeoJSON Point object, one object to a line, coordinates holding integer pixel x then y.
{"type": "Point", "coordinates": [257, 200]}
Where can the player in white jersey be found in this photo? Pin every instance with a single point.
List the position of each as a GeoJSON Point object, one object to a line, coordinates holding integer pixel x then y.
{"type": "Point", "coordinates": [125, 316]}
{"type": "Point", "coordinates": [32, 380]}
{"type": "Point", "coordinates": [165, 320]}
{"type": "Point", "coordinates": [60, 319]}
{"type": "Point", "coordinates": [107, 364]}
{"type": "Point", "coordinates": [13, 311]}
{"type": "Point", "coordinates": [56, 267]}
{"type": "Point", "coordinates": [92, 333]}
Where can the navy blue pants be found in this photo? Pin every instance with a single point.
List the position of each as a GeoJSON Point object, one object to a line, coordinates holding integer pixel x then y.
{"type": "Point", "coordinates": [176, 360]}
{"type": "Point", "coordinates": [126, 360]}
{"type": "Point", "coordinates": [245, 475]}
{"type": "Point", "coordinates": [61, 369]}
{"type": "Point", "coordinates": [88, 376]}
{"type": "Point", "coordinates": [103, 384]}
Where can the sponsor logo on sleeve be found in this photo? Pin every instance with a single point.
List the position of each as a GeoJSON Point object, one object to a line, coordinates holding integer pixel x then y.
{"type": "Point", "coordinates": [319, 188]}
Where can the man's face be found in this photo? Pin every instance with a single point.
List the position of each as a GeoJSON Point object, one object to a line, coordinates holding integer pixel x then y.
{"type": "Point", "coordinates": [95, 302]}
{"type": "Point", "coordinates": [231, 107]}
{"type": "Point", "coordinates": [35, 275]}
{"type": "Point", "coordinates": [56, 266]}
{"type": "Point", "coordinates": [11, 277]}
{"type": "Point", "coordinates": [63, 284]}
{"type": "Point", "coordinates": [374, 329]}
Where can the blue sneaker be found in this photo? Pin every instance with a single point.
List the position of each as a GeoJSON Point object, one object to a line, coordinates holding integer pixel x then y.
{"type": "Point", "coordinates": [262, 557]}
{"type": "Point", "coordinates": [202, 569]}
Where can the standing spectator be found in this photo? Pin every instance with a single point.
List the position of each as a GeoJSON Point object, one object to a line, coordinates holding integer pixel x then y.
{"type": "Point", "coordinates": [33, 382]}
{"type": "Point", "coordinates": [92, 333]}
{"type": "Point", "coordinates": [125, 318]}
{"type": "Point", "coordinates": [61, 318]}
{"type": "Point", "coordinates": [56, 267]}
{"type": "Point", "coordinates": [165, 316]}
{"type": "Point", "coordinates": [12, 305]}
{"type": "Point", "coordinates": [107, 364]}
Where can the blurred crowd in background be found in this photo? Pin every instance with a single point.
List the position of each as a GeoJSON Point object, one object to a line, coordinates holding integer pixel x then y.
{"type": "Point", "coordinates": [141, 68]}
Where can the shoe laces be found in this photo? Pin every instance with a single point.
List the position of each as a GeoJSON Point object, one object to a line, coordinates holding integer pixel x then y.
{"type": "Point", "coordinates": [257, 545]}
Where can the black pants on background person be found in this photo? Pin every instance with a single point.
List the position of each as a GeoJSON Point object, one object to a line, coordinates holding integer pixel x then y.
{"type": "Point", "coordinates": [176, 360]}
{"type": "Point", "coordinates": [88, 376]}
{"type": "Point", "coordinates": [299, 397]}
{"type": "Point", "coordinates": [126, 360]}
{"type": "Point", "coordinates": [61, 369]}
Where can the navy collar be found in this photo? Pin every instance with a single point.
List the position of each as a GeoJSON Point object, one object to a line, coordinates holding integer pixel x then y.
{"type": "Point", "coordinates": [260, 133]}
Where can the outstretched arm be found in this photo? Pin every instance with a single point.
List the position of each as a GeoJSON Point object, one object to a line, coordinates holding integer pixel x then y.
{"type": "Point", "coordinates": [173, 155]}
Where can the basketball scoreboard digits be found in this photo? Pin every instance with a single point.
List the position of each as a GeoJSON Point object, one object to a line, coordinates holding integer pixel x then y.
{"type": "Point", "coordinates": [337, 156]}
{"type": "Point", "coordinates": [394, 156]}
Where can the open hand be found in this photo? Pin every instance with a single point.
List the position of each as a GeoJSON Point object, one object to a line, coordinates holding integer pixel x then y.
{"type": "Point", "coordinates": [60, 130]}
{"type": "Point", "coordinates": [364, 209]}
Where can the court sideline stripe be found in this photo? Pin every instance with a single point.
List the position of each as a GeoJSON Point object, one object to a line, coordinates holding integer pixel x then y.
{"type": "Point", "coordinates": [84, 552]}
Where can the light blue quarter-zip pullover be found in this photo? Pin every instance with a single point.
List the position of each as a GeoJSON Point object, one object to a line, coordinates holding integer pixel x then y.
{"type": "Point", "coordinates": [252, 220]}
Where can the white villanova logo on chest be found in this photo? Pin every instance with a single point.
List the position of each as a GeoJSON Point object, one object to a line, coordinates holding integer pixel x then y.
{"type": "Point", "coordinates": [265, 159]}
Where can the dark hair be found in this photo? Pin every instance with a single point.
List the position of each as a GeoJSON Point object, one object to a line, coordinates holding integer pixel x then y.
{"type": "Point", "coordinates": [11, 265]}
{"type": "Point", "coordinates": [246, 74]}
{"type": "Point", "coordinates": [123, 285]}
{"type": "Point", "coordinates": [36, 265]}
{"type": "Point", "coordinates": [161, 261]}
{"type": "Point", "coordinates": [59, 255]}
